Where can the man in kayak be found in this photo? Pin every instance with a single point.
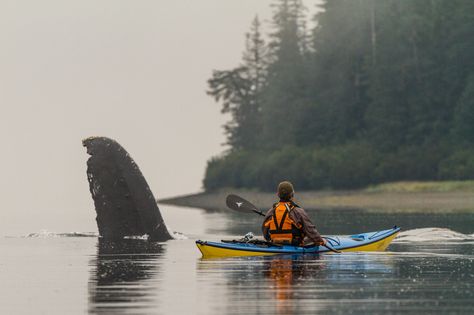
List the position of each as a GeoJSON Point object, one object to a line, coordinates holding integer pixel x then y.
{"type": "Point", "coordinates": [288, 223]}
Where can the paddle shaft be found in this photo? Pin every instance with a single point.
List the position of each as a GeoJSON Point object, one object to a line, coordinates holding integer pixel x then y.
{"type": "Point", "coordinates": [332, 249]}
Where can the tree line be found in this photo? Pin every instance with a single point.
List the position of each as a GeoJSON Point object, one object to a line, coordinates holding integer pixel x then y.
{"type": "Point", "coordinates": [376, 91]}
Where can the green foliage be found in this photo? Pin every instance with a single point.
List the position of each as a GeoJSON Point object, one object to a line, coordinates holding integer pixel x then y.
{"type": "Point", "coordinates": [318, 168]}
{"type": "Point", "coordinates": [459, 165]}
{"type": "Point", "coordinates": [464, 115]}
{"type": "Point", "coordinates": [409, 163]}
{"type": "Point", "coordinates": [378, 91]}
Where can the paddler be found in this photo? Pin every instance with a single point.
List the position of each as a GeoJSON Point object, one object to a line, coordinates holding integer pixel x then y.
{"type": "Point", "coordinates": [288, 223]}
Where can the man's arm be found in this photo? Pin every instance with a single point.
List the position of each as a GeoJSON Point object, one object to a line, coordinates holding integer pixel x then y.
{"type": "Point", "coordinates": [308, 227]}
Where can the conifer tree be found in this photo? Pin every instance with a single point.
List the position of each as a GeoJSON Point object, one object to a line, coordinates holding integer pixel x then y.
{"type": "Point", "coordinates": [286, 85]}
{"type": "Point", "coordinates": [383, 91]}
{"type": "Point", "coordinates": [342, 56]}
{"type": "Point", "coordinates": [239, 90]}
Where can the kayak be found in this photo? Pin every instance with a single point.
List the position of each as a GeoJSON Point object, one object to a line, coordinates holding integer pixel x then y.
{"type": "Point", "coordinates": [364, 242]}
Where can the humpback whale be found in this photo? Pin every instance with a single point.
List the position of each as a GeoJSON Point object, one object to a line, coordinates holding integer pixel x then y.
{"type": "Point", "coordinates": [123, 201]}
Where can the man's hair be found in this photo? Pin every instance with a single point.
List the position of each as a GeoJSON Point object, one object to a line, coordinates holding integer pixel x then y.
{"type": "Point", "coordinates": [285, 190]}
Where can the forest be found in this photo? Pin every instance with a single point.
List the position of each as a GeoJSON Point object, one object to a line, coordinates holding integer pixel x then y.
{"type": "Point", "coordinates": [371, 92]}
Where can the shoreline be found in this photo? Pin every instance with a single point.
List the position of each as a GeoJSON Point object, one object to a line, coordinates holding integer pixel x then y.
{"type": "Point", "coordinates": [403, 196]}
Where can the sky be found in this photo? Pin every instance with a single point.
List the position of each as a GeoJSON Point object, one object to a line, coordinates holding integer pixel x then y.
{"type": "Point", "coordinates": [134, 71]}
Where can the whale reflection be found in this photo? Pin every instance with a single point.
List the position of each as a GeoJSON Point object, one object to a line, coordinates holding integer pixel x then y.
{"type": "Point", "coordinates": [122, 274]}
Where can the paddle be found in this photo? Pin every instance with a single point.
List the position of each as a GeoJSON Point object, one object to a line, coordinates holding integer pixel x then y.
{"type": "Point", "coordinates": [239, 204]}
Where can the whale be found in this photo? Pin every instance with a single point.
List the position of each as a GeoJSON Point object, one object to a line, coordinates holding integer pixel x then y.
{"type": "Point", "coordinates": [123, 201]}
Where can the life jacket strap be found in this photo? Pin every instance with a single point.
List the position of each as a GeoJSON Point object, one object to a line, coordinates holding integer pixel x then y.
{"type": "Point", "coordinates": [281, 231]}
{"type": "Point", "coordinates": [283, 218]}
{"type": "Point", "coordinates": [275, 221]}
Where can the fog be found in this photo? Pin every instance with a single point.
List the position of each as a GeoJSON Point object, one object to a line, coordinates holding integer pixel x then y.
{"type": "Point", "coordinates": [134, 71]}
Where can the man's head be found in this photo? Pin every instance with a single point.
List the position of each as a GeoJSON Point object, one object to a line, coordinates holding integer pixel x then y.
{"type": "Point", "coordinates": [285, 191]}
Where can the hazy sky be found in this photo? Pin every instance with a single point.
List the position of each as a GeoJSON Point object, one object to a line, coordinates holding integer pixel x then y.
{"type": "Point", "coordinates": [134, 71]}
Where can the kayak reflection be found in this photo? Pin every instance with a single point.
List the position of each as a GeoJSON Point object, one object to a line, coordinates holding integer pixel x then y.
{"type": "Point", "coordinates": [287, 272]}
{"type": "Point", "coordinates": [293, 284]}
{"type": "Point", "coordinates": [121, 275]}
{"type": "Point", "coordinates": [273, 284]}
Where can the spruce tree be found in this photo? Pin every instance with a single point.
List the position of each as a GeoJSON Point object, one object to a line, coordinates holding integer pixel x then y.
{"type": "Point", "coordinates": [286, 81]}
{"type": "Point", "coordinates": [240, 89]}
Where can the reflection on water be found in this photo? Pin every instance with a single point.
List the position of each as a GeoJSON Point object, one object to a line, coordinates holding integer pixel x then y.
{"type": "Point", "coordinates": [290, 284]}
{"type": "Point", "coordinates": [285, 273]}
{"type": "Point", "coordinates": [412, 277]}
{"type": "Point", "coordinates": [351, 283]}
{"type": "Point", "coordinates": [426, 271]}
{"type": "Point", "coordinates": [121, 276]}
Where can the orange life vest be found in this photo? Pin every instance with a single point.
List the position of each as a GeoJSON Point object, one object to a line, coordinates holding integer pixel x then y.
{"type": "Point", "coordinates": [282, 228]}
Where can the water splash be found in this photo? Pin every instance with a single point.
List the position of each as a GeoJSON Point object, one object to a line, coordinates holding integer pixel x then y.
{"type": "Point", "coordinates": [49, 234]}
{"type": "Point", "coordinates": [178, 235]}
{"type": "Point", "coordinates": [144, 237]}
{"type": "Point", "coordinates": [432, 234]}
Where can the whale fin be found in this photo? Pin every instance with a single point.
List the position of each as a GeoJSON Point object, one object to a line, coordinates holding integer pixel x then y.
{"type": "Point", "coordinates": [123, 200]}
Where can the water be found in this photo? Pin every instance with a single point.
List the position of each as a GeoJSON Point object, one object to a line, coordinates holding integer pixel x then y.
{"type": "Point", "coordinates": [428, 269]}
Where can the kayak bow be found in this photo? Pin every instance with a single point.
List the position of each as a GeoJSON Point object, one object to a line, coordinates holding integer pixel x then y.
{"type": "Point", "coordinates": [364, 242]}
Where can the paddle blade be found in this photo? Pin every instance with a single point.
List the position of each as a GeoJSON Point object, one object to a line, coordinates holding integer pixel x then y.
{"type": "Point", "coordinates": [238, 203]}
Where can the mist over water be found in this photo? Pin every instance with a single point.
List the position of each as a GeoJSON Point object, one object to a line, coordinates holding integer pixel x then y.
{"type": "Point", "coordinates": [133, 72]}
{"type": "Point", "coordinates": [137, 72]}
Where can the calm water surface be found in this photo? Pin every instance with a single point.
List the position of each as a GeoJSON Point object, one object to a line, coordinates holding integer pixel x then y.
{"type": "Point", "coordinates": [429, 269]}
